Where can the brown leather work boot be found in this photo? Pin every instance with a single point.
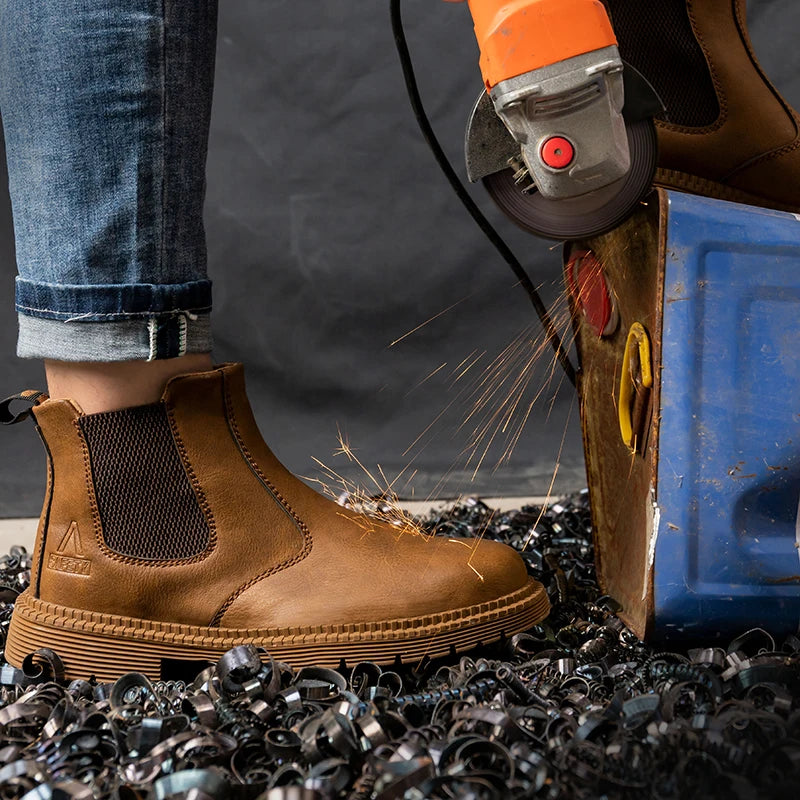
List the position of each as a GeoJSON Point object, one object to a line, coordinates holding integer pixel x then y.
{"type": "Point", "coordinates": [729, 134]}
{"type": "Point", "coordinates": [170, 531]}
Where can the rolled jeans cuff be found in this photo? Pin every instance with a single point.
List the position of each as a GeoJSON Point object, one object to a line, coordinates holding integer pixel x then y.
{"type": "Point", "coordinates": [114, 322]}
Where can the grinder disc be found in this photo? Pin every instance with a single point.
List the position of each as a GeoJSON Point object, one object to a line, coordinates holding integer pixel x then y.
{"type": "Point", "coordinates": [588, 214]}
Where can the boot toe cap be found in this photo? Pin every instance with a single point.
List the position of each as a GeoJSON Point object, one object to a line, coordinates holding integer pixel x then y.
{"type": "Point", "coordinates": [413, 578]}
{"type": "Point", "coordinates": [485, 571]}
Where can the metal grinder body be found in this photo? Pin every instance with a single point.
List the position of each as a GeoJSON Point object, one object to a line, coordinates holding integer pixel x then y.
{"type": "Point", "coordinates": [562, 135]}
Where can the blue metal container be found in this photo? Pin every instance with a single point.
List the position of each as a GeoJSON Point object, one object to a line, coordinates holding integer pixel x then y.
{"type": "Point", "coordinates": [727, 533]}
{"type": "Point", "coordinates": [696, 519]}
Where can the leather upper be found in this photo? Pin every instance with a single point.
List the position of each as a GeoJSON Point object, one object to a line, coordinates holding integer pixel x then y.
{"type": "Point", "coordinates": [279, 554]}
{"type": "Point", "coordinates": [754, 145]}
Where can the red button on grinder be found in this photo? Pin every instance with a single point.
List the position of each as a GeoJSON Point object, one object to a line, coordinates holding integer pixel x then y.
{"type": "Point", "coordinates": [557, 152]}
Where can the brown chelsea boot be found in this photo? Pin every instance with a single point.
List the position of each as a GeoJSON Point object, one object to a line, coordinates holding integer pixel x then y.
{"type": "Point", "coordinates": [171, 531]}
{"type": "Point", "coordinates": [728, 133]}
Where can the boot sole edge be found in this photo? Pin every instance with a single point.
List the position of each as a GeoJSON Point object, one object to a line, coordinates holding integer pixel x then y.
{"type": "Point", "coordinates": [108, 646]}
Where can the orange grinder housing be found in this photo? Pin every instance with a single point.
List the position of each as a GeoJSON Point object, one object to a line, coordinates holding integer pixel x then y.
{"type": "Point", "coordinates": [518, 36]}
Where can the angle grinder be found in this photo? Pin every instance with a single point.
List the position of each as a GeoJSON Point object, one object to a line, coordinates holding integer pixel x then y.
{"type": "Point", "coordinates": [563, 136]}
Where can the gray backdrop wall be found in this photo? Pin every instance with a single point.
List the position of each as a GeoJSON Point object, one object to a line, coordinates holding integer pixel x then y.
{"type": "Point", "coordinates": [332, 234]}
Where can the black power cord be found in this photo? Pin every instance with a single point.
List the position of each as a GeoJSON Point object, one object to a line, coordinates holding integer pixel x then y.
{"type": "Point", "coordinates": [491, 234]}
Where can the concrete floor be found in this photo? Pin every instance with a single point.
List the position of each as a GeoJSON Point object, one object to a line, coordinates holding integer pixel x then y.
{"type": "Point", "coordinates": [17, 531]}
{"type": "Point", "coordinates": [23, 531]}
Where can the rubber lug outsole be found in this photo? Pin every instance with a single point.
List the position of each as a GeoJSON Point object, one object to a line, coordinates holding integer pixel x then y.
{"type": "Point", "coordinates": [107, 646]}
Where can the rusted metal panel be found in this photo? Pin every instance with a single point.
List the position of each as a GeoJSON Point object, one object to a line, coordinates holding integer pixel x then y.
{"type": "Point", "coordinates": [622, 483]}
{"type": "Point", "coordinates": [696, 523]}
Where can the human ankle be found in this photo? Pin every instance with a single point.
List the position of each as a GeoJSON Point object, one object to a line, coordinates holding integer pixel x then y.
{"type": "Point", "coordinates": [110, 386]}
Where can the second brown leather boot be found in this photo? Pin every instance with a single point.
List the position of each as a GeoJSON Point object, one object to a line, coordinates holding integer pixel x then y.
{"type": "Point", "coordinates": [171, 532]}
{"type": "Point", "coordinates": [728, 133]}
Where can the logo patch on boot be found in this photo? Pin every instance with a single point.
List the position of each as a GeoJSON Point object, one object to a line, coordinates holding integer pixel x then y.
{"type": "Point", "coordinates": [69, 554]}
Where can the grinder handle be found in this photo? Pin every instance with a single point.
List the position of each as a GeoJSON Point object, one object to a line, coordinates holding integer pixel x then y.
{"type": "Point", "coordinates": [518, 36]}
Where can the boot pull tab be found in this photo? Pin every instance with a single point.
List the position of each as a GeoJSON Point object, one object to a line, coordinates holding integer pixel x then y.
{"type": "Point", "coordinates": [30, 397]}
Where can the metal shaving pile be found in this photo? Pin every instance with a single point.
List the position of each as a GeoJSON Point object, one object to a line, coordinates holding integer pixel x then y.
{"type": "Point", "coordinates": [575, 708]}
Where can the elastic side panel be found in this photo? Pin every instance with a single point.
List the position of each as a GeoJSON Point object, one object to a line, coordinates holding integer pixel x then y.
{"type": "Point", "coordinates": [147, 506]}
{"type": "Point", "coordinates": [657, 38]}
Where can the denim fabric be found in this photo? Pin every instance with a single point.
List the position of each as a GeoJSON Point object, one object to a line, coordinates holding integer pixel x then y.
{"type": "Point", "coordinates": [165, 337]}
{"type": "Point", "coordinates": [106, 107]}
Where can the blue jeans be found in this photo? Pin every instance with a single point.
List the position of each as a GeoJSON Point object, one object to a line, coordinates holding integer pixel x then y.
{"type": "Point", "coordinates": [106, 107]}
